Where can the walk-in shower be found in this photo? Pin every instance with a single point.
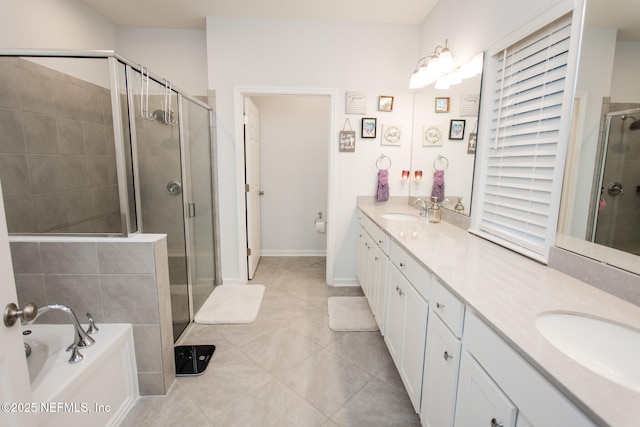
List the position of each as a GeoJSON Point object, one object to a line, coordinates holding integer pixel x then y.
{"type": "Point", "coordinates": [92, 143]}
{"type": "Point", "coordinates": [617, 206]}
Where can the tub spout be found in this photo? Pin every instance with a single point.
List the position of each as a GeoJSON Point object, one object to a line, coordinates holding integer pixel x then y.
{"type": "Point", "coordinates": [81, 338]}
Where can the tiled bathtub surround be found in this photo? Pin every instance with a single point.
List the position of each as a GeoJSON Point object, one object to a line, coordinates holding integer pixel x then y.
{"type": "Point", "coordinates": [57, 155]}
{"type": "Point", "coordinates": [117, 280]}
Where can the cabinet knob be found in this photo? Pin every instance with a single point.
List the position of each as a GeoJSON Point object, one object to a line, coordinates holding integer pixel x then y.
{"type": "Point", "coordinates": [447, 355]}
{"type": "Point", "coordinates": [401, 292]}
{"type": "Point", "coordinates": [439, 305]}
{"type": "Point", "coordinates": [402, 264]}
{"type": "Point", "coordinates": [495, 423]}
{"type": "Point", "coordinates": [380, 241]}
{"type": "Point", "coordinates": [376, 258]}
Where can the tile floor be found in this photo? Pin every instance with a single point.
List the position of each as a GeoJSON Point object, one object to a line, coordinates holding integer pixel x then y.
{"type": "Point", "coordinates": [287, 368]}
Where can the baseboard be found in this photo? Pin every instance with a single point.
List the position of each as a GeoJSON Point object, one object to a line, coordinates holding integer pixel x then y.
{"type": "Point", "coordinates": [345, 281]}
{"type": "Point", "coordinates": [293, 253]}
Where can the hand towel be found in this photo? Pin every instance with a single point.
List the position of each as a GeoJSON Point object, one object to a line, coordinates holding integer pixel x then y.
{"type": "Point", "coordinates": [382, 195]}
{"type": "Point", "coordinates": [438, 185]}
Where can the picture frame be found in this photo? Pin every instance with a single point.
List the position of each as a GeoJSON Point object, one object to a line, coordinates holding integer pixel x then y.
{"type": "Point", "coordinates": [391, 135]}
{"type": "Point", "coordinates": [356, 102]}
{"type": "Point", "coordinates": [432, 136]}
{"type": "Point", "coordinates": [369, 126]}
{"type": "Point", "coordinates": [456, 129]}
{"type": "Point", "coordinates": [347, 141]}
{"type": "Point", "coordinates": [443, 104]}
{"type": "Point", "coordinates": [385, 103]}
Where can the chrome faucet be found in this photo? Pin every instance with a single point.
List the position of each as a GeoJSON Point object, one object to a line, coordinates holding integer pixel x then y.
{"type": "Point", "coordinates": [423, 208]}
{"type": "Point", "coordinates": [80, 339]}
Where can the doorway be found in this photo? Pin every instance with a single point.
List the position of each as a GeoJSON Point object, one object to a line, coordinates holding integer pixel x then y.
{"type": "Point", "coordinates": [294, 160]}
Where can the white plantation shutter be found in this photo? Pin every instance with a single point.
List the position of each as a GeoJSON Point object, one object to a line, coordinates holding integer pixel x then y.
{"type": "Point", "coordinates": [521, 164]}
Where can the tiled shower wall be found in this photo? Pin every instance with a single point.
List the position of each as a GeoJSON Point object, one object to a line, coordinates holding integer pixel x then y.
{"type": "Point", "coordinates": [57, 156]}
{"type": "Point", "coordinates": [117, 281]}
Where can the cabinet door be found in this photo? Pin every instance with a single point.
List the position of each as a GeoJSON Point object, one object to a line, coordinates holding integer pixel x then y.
{"type": "Point", "coordinates": [480, 402]}
{"type": "Point", "coordinates": [362, 251]}
{"type": "Point", "coordinates": [381, 285]}
{"type": "Point", "coordinates": [394, 319]}
{"type": "Point", "coordinates": [441, 365]}
{"type": "Point", "coordinates": [416, 311]}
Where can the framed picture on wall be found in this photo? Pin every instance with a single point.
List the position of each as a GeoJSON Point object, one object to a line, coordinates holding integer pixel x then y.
{"type": "Point", "coordinates": [442, 104]}
{"type": "Point", "coordinates": [385, 103]}
{"type": "Point", "coordinates": [456, 129]}
{"type": "Point", "coordinates": [369, 127]}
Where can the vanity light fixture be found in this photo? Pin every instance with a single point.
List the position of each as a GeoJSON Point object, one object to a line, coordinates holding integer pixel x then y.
{"type": "Point", "coordinates": [417, 176]}
{"type": "Point", "coordinates": [405, 176]}
{"type": "Point", "coordinates": [433, 65]}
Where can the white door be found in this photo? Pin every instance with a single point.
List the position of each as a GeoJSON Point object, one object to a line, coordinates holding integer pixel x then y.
{"type": "Point", "coordinates": [14, 378]}
{"type": "Point", "coordinates": [252, 183]}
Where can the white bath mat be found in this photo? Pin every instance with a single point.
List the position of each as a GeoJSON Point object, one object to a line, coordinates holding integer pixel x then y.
{"type": "Point", "coordinates": [231, 304]}
{"type": "Point", "coordinates": [351, 314]}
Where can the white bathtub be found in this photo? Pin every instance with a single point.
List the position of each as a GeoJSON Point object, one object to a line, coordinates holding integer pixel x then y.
{"type": "Point", "coordinates": [98, 391]}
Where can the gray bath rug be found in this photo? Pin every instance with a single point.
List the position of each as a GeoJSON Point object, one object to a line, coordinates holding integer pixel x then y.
{"type": "Point", "coordinates": [351, 314]}
{"type": "Point", "coordinates": [231, 304]}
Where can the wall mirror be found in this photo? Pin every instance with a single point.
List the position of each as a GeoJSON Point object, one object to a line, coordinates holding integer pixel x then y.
{"type": "Point", "coordinates": [600, 208]}
{"type": "Point", "coordinates": [445, 126]}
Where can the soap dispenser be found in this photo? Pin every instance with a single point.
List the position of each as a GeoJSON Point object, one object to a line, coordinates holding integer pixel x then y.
{"type": "Point", "coordinates": [434, 212]}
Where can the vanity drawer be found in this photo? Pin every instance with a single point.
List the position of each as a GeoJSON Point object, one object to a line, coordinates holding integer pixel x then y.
{"type": "Point", "coordinates": [448, 307]}
{"type": "Point", "coordinates": [418, 276]}
{"type": "Point", "coordinates": [380, 238]}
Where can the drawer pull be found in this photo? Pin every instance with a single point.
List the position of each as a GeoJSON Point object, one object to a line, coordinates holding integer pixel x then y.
{"type": "Point", "coordinates": [401, 292]}
{"type": "Point", "coordinates": [447, 355]}
{"type": "Point", "coordinates": [402, 264]}
{"type": "Point", "coordinates": [376, 258]}
{"type": "Point", "coordinates": [439, 305]}
{"type": "Point", "coordinates": [495, 423]}
{"type": "Point", "coordinates": [380, 241]}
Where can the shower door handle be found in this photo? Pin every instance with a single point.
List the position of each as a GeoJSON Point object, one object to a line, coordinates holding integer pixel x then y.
{"type": "Point", "coordinates": [615, 189]}
{"type": "Point", "coordinates": [191, 210]}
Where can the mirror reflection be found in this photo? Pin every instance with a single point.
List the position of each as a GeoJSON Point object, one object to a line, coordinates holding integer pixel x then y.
{"type": "Point", "coordinates": [445, 126]}
{"type": "Point", "coordinates": [600, 211]}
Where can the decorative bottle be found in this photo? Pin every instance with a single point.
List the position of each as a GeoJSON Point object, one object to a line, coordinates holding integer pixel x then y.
{"type": "Point", "coordinates": [434, 212]}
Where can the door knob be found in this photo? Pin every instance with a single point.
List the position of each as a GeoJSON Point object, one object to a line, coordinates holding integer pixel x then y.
{"type": "Point", "coordinates": [260, 193]}
{"type": "Point", "coordinates": [12, 313]}
{"type": "Point", "coordinates": [615, 188]}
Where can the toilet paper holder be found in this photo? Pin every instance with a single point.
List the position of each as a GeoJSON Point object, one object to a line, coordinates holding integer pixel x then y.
{"type": "Point", "coordinates": [320, 224]}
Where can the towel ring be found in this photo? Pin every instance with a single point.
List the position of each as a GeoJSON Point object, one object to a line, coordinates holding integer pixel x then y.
{"type": "Point", "coordinates": [441, 158]}
{"type": "Point", "coordinates": [382, 159]}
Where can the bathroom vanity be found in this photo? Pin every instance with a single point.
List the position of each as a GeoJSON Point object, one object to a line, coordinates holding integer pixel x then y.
{"type": "Point", "coordinates": [462, 318]}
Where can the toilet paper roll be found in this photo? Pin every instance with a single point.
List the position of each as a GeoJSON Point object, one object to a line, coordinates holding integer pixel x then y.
{"type": "Point", "coordinates": [321, 226]}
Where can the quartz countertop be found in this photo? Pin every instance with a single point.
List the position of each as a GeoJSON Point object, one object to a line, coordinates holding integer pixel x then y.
{"type": "Point", "coordinates": [508, 291]}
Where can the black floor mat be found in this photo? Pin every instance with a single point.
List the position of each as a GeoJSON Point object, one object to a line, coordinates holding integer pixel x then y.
{"type": "Point", "coordinates": [192, 359]}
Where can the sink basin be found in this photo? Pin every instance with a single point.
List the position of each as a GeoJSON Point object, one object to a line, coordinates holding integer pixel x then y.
{"type": "Point", "coordinates": [399, 216]}
{"type": "Point", "coordinates": [606, 348]}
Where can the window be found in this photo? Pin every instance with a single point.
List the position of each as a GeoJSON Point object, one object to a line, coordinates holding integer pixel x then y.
{"type": "Point", "coordinates": [522, 161]}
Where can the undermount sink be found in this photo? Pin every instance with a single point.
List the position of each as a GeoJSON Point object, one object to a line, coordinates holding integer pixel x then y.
{"type": "Point", "coordinates": [606, 348]}
{"type": "Point", "coordinates": [399, 216]}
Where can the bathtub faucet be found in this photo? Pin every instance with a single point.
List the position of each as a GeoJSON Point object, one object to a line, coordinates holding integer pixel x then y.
{"type": "Point", "coordinates": [81, 338]}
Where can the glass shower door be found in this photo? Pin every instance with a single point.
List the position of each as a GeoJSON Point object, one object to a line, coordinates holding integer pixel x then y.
{"type": "Point", "coordinates": [199, 199]}
{"type": "Point", "coordinates": [618, 210]}
{"type": "Point", "coordinates": [159, 160]}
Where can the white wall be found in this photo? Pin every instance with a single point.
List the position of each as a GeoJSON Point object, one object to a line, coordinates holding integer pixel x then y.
{"type": "Point", "coordinates": [377, 59]}
{"type": "Point", "coordinates": [294, 163]}
{"type": "Point", "coordinates": [625, 85]}
{"type": "Point", "coordinates": [594, 80]}
{"type": "Point", "coordinates": [179, 56]}
{"type": "Point", "coordinates": [54, 24]}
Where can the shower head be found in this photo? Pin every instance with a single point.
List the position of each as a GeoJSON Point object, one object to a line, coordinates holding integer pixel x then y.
{"type": "Point", "coordinates": [635, 125]}
{"type": "Point", "coordinates": [160, 116]}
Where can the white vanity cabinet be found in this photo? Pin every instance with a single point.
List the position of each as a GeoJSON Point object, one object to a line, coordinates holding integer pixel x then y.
{"type": "Point", "coordinates": [406, 319]}
{"type": "Point", "coordinates": [496, 383]}
{"type": "Point", "coordinates": [373, 259]}
{"type": "Point", "coordinates": [442, 357]}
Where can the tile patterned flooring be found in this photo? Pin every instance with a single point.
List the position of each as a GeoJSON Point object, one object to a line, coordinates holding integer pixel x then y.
{"type": "Point", "coordinates": [287, 368]}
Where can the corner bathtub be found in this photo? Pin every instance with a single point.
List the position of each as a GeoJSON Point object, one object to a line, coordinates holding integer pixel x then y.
{"type": "Point", "coordinates": [98, 391]}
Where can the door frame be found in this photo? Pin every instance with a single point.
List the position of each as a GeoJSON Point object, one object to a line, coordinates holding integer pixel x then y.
{"type": "Point", "coordinates": [239, 93]}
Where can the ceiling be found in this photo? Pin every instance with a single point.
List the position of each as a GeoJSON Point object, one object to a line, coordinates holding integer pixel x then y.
{"type": "Point", "coordinates": [190, 14]}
